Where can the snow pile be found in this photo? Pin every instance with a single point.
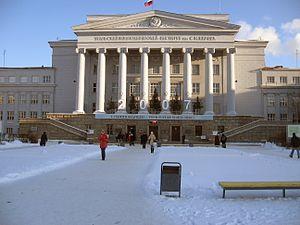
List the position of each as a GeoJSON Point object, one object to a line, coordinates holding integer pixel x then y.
{"type": "Point", "coordinates": [20, 163]}
{"type": "Point", "coordinates": [201, 201]}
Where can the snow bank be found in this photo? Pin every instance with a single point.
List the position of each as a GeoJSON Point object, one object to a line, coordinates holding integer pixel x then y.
{"type": "Point", "coordinates": [201, 201]}
{"type": "Point", "coordinates": [20, 163]}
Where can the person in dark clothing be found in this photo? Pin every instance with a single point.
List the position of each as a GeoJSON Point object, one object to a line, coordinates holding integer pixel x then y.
{"type": "Point", "coordinates": [217, 140]}
{"type": "Point", "coordinates": [183, 139]}
{"type": "Point", "coordinates": [223, 140]}
{"type": "Point", "coordinates": [144, 139]}
{"type": "Point", "coordinates": [44, 139]}
{"type": "Point", "coordinates": [295, 143]}
{"type": "Point", "coordinates": [131, 138]}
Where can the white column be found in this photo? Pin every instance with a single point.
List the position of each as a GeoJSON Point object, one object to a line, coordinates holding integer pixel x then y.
{"type": "Point", "coordinates": [80, 82]}
{"type": "Point", "coordinates": [209, 80]}
{"type": "Point", "coordinates": [100, 91]}
{"type": "Point", "coordinates": [144, 79]}
{"type": "Point", "coordinates": [166, 80]}
{"type": "Point", "coordinates": [122, 79]}
{"type": "Point", "coordinates": [230, 82]}
{"type": "Point", "coordinates": [187, 79]}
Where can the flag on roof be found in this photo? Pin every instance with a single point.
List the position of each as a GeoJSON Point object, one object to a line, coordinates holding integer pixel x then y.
{"type": "Point", "coordinates": [148, 3]}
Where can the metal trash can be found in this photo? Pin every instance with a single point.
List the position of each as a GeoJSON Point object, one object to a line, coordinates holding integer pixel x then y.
{"type": "Point", "coordinates": [170, 178]}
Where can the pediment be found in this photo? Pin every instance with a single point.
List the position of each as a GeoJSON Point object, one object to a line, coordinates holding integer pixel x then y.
{"type": "Point", "coordinates": [156, 20]}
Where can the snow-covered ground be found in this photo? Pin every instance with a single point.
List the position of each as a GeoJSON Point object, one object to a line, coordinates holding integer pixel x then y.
{"type": "Point", "coordinates": [125, 188]}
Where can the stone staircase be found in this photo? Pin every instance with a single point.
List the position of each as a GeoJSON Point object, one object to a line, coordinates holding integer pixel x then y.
{"type": "Point", "coordinates": [260, 123]}
{"type": "Point", "coordinates": [68, 128]}
{"type": "Point", "coordinates": [244, 128]}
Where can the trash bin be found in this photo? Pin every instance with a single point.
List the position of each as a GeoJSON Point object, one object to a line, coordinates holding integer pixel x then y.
{"type": "Point", "coordinates": [170, 178]}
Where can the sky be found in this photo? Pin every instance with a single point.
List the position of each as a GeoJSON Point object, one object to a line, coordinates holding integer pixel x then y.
{"type": "Point", "coordinates": [26, 26]}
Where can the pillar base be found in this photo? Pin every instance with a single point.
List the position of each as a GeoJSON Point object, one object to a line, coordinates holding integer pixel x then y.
{"type": "Point", "coordinates": [231, 113]}
{"type": "Point", "coordinates": [99, 112]}
{"type": "Point", "coordinates": [78, 112]}
{"type": "Point", "coordinates": [209, 113]}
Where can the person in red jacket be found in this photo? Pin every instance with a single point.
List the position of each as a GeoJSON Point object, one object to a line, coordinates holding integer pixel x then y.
{"type": "Point", "coordinates": [103, 141]}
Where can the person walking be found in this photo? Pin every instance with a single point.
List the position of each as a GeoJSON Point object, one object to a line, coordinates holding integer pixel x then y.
{"type": "Point", "coordinates": [217, 140]}
{"type": "Point", "coordinates": [44, 139]}
{"type": "Point", "coordinates": [131, 138]}
{"type": "Point", "coordinates": [223, 140]}
{"type": "Point", "coordinates": [295, 143]}
{"type": "Point", "coordinates": [144, 139]}
{"type": "Point", "coordinates": [103, 141]}
{"type": "Point", "coordinates": [151, 139]}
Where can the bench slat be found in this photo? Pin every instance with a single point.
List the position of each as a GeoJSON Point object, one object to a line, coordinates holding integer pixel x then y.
{"type": "Point", "coordinates": [255, 185]}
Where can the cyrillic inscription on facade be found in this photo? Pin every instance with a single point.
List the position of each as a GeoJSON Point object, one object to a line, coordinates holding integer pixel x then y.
{"type": "Point", "coordinates": [156, 38]}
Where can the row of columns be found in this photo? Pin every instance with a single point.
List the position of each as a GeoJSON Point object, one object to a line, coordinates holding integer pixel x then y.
{"type": "Point", "coordinates": [166, 79]}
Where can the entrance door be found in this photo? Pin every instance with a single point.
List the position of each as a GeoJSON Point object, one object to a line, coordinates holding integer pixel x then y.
{"type": "Point", "coordinates": [176, 133]}
{"type": "Point", "coordinates": [132, 129]}
{"type": "Point", "coordinates": [154, 129]}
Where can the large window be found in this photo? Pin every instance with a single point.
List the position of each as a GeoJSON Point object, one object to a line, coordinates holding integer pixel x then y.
{"type": "Point", "coordinates": [22, 99]}
{"type": "Point", "coordinates": [283, 101]}
{"type": "Point", "coordinates": [34, 99]}
{"type": "Point", "coordinates": [22, 114]}
{"type": "Point", "coordinates": [33, 114]}
{"type": "Point", "coordinates": [114, 88]}
{"type": "Point", "coordinates": [156, 69]}
{"type": "Point", "coordinates": [11, 79]}
{"type": "Point", "coordinates": [195, 70]}
{"type": "Point", "coordinates": [196, 88]}
{"type": "Point", "coordinates": [35, 79]}
{"type": "Point", "coordinates": [175, 89]}
{"type": "Point", "coordinates": [216, 88]}
{"type": "Point", "coordinates": [1, 99]}
{"type": "Point", "coordinates": [270, 80]}
{"type": "Point", "coordinates": [94, 87]}
{"type": "Point", "coordinates": [11, 99]}
{"type": "Point", "coordinates": [134, 69]}
{"type": "Point", "coordinates": [296, 80]}
{"type": "Point", "coordinates": [217, 108]}
{"type": "Point", "coordinates": [134, 89]}
{"type": "Point", "coordinates": [46, 99]}
{"type": "Point", "coordinates": [24, 79]}
{"type": "Point", "coordinates": [10, 115]}
{"type": "Point", "coordinates": [115, 69]}
{"type": "Point", "coordinates": [271, 101]}
{"type": "Point", "coordinates": [216, 69]}
{"type": "Point", "coordinates": [271, 116]}
{"type": "Point", "coordinates": [9, 130]}
{"type": "Point", "coordinates": [176, 69]}
{"type": "Point", "coordinates": [154, 86]}
{"type": "Point", "coordinates": [46, 79]}
{"type": "Point", "coordinates": [1, 115]}
{"type": "Point", "coordinates": [283, 116]}
{"type": "Point", "coordinates": [283, 80]}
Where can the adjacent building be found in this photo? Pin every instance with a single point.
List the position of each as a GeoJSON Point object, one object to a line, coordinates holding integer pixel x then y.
{"type": "Point", "coordinates": [25, 93]}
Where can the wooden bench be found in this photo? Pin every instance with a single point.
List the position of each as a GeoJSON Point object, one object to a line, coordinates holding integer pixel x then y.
{"type": "Point", "coordinates": [277, 185]}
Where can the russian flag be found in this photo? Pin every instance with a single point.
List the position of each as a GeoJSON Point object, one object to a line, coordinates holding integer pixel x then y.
{"type": "Point", "coordinates": [148, 3]}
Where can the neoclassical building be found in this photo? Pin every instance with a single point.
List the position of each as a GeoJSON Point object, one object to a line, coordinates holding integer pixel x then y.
{"type": "Point", "coordinates": [179, 56]}
{"type": "Point", "coordinates": [190, 55]}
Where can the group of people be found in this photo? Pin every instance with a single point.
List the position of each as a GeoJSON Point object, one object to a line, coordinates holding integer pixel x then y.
{"type": "Point", "coordinates": [103, 139]}
{"type": "Point", "coordinates": [222, 139]}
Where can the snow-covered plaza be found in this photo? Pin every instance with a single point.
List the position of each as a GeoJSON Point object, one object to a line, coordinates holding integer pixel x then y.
{"type": "Point", "coordinates": [64, 184]}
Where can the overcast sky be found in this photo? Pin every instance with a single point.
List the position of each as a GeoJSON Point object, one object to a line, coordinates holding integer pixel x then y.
{"type": "Point", "coordinates": [26, 26]}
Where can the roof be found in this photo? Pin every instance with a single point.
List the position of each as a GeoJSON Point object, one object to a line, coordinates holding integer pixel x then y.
{"type": "Point", "coordinates": [277, 68]}
{"type": "Point", "coordinates": [26, 68]}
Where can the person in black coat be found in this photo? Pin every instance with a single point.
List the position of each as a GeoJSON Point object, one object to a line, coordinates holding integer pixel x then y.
{"type": "Point", "coordinates": [217, 140]}
{"type": "Point", "coordinates": [44, 139]}
{"type": "Point", "coordinates": [223, 140]}
{"type": "Point", "coordinates": [295, 143]}
{"type": "Point", "coordinates": [144, 139]}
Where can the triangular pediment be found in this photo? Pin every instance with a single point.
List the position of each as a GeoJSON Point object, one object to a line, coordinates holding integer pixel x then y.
{"type": "Point", "coordinates": [156, 20]}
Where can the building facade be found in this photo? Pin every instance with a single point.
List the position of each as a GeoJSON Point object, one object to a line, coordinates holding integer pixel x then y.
{"type": "Point", "coordinates": [280, 89]}
{"type": "Point", "coordinates": [25, 93]}
{"type": "Point", "coordinates": [188, 55]}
